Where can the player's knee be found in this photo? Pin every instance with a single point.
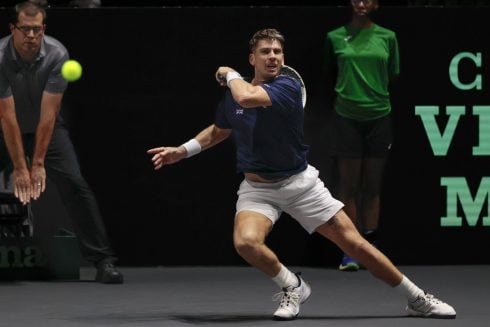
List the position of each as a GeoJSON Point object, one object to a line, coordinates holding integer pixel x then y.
{"type": "Point", "coordinates": [246, 243]}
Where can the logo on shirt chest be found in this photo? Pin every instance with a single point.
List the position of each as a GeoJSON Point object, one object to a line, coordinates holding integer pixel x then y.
{"type": "Point", "coordinates": [238, 111]}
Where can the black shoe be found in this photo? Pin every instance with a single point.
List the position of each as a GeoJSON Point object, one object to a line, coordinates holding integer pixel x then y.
{"type": "Point", "coordinates": [108, 274]}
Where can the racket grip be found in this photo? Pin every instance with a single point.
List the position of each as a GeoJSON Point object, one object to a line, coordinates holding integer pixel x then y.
{"type": "Point", "coordinates": [221, 79]}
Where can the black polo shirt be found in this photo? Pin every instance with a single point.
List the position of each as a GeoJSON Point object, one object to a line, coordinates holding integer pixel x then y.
{"type": "Point", "coordinates": [27, 81]}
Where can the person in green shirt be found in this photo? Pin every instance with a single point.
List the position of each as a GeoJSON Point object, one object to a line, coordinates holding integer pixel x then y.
{"type": "Point", "coordinates": [364, 59]}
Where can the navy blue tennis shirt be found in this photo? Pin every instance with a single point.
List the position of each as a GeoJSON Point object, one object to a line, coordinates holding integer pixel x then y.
{"type": "Point", "coordinates": [269, 140]}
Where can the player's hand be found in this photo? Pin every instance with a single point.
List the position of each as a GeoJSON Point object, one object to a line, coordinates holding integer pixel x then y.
{"type": "Point", "coordinates": [166, 155]}
{"type": "Point", "coordinates": [38, 180]}
{"type": "Point", "coordinates": [221, 74]}
{"type": "Point", "coordinates": [22, 185]}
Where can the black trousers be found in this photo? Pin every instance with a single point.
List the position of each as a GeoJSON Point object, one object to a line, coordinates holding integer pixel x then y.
{"type": "Point", "coordinates": [62, 168]}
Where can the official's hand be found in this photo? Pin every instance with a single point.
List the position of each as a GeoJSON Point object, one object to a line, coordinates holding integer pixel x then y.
{"type": "Point", "coordinates": [22, 185]}
{"type": "Point", "coordinates": [166, 155]}
{"type": "Point", "coordinates": [38, 180]}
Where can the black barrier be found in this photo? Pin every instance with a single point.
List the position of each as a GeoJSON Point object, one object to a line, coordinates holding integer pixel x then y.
{"type": "Point", "coordinates": [148, 80]}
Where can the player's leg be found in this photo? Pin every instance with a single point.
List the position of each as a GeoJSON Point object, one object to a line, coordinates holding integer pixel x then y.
{"type": "Point", "coordinates": [342, 232]}
{"type": "Point", "coordinates": [250, 232]}
{"type": "Point", "coordinates": [256, 215]}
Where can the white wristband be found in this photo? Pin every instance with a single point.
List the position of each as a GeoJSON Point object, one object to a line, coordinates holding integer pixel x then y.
{"type": "Point", "coordinates": [192, 147]}
{"type": "Point", "coordinates": [230, 76]}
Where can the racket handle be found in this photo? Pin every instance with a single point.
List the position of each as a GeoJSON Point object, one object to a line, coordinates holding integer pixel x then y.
{"type": "Point", "coordinates": [221, 79]}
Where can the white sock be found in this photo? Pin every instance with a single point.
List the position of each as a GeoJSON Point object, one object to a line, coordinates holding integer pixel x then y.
{"type": "Point", "coordinates": [285, 278]}
{"type": "Point", "coordinates": [409, 289]}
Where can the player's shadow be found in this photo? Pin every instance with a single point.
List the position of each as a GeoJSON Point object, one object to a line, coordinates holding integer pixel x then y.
{"type": "Point", "coordinates": [226, 318]}
{"type": "Point", "coordinates": [219, 318]}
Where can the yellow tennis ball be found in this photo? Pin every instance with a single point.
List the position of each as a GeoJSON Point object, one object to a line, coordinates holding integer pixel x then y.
{"type": "Point", "coordinates": [71, 70]}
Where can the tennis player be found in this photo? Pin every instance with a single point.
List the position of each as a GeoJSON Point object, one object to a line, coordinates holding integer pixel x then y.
{"type": "Point", "coordinates": [265, 117]}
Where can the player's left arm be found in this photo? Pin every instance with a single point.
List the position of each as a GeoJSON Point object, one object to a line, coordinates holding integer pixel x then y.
{"type": "Point", "coordinates": [244, 93]}
{"type": "Point", "coordinates": [50, 106]}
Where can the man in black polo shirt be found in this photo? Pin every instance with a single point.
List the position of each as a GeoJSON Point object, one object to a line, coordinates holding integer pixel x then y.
{"type": "Point", "coordinates": [31, 89]}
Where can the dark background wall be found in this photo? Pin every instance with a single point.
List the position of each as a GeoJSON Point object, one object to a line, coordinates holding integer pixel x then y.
{"type": "Point", "coordinates": [148, 80]}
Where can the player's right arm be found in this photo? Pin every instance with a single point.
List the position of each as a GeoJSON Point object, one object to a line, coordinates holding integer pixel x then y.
{"type": "Point", "coordinates": [244, 93]}
{"type": "Point", "coordinates": [206, 139]}
{"type": "Point", "coordinates": [13, 141]}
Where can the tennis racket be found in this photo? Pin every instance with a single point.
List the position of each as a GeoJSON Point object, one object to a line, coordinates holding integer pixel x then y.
{"type": "Point", "coordinates": [292, 73]}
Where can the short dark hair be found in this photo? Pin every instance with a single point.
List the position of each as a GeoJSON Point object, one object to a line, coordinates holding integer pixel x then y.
{"type": "Point", "coordinates": [30, 8]}
{"type": "Point", "coordinates": [266, 34]}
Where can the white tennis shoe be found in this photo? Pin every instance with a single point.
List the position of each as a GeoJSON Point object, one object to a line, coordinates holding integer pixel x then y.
{"type": "Point", "coordinates": [290, 299]}
{"type": "Point", "coordinates": [430, 307]}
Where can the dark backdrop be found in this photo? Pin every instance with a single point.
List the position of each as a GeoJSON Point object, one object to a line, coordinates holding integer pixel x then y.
{"type": "Point", "coordinates": [148, 80]}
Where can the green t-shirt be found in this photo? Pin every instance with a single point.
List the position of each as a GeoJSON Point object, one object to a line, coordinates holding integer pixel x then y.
{"type": "Point", "coordinates": [366, 60]}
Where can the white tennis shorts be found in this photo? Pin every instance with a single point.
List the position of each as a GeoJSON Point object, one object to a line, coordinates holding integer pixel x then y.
{"type": "Point", "coordinates": [303, 196]}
